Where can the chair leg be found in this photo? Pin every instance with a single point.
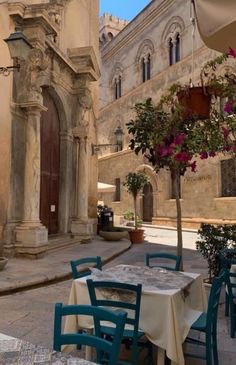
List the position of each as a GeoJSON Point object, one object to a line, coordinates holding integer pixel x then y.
{"type": "Point", "coordinates": [215, 351]}
{"type": "Point", "coordinates": [226, 304]}
{"type": "Point", "coordinates": [232, 320]}
{"type": "Point", "coordinates": [209, 351]}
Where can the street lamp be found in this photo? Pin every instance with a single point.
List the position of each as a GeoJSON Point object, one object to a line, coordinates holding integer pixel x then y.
{"type": "Point", "coordinates": [118, 135]}
{"type": "Point", "coordinates": [19, 47]}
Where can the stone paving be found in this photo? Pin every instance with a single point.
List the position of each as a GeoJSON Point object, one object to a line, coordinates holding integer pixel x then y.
{"type": "Point", "coordinates": [29, 314]}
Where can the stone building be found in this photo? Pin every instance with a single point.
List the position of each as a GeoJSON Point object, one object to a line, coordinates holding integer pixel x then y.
{"type": "Point", "coordinates": [160, 46]}
{"type": "Point", "coordinates": [48, 180]}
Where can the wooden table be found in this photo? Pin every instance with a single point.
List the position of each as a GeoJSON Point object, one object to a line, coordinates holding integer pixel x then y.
{"type": "Point", "coordinates": [171, 302]}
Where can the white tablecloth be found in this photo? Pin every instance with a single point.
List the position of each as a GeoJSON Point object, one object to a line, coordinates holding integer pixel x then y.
{"type": "Point", "coordinates": [166, 315]}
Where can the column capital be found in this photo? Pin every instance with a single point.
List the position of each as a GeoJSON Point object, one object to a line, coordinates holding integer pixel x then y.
{"type": "Point", "coordinates": [32, 106]}
{"type": "Point", "coordinates": [80, 132]}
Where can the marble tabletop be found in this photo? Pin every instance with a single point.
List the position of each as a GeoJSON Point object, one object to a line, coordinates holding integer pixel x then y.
{"type": "Point", "coordinates": [14, 351]}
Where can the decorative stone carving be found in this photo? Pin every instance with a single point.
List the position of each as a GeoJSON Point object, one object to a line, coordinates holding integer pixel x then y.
{"type": "Point", "coordinates": [84, 104]}
{"type": "Point", "coordinates": [30, 77]}
{"type": "Point", "coordinates": [174, 26]}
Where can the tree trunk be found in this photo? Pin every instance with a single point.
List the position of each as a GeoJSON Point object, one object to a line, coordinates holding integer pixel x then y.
{"type": "Point", "coordinates": [135, 213]}
{"type": "Point", "coordinates": [175, 177]}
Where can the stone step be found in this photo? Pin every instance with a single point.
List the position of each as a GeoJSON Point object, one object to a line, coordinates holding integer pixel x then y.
{"type": "Point", "coordinates": [57, 242]}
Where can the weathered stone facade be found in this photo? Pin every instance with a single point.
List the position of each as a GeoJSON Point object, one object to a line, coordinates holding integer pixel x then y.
{"type": "Point", "coordinates": [62, 68]}
{"type": "Point", "coordinates": [150, 34]}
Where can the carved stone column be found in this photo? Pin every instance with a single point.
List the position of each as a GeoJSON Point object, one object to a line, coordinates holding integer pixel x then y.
{"type": "Point", "coordinates": [31, 235]}
{"type": "Point", "coordinates": [80, 225]}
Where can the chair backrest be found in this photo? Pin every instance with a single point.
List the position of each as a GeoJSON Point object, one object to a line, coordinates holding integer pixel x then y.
{"type": "Point", "coordinates": [85, 260]}
{"type": "Point", "coordinates": [164, 256]}
{"type": "Point", "coordinates": [227, 258]}
{"type": "Point", "coordinates": [119, 295]}
{"type": "Point", "coordinates": [213, 302]}
{"type": "Point", "coordinates": [231, 284]}
{"type": "Point", "coordinates": [93, 340]}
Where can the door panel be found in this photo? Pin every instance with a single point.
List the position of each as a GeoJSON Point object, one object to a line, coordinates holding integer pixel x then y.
{"type": "Point", "coordinates": [147, 203]}
{"type": "Point", "coordinates": [50, 159]}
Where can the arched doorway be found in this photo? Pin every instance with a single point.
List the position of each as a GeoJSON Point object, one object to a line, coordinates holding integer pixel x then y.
{"type": "Point", "coordinates": [147, 202]}
{"type": "Point", "coordinates": [50, 164]}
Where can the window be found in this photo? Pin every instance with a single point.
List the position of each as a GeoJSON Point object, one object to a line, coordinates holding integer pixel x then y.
{"type": "Point", "coordinates": [177, 48]}
{"type": "Point", "coordinates": [171, 47]}
{"type": "Point", "coordinates": [174, 50]}
{"type": "Point", "coordinates": [228, 177]}
{"type": "Point", "coordinates": [146, 68]}
{"type": "Point", "coordinates": [117, 192]}
{"type": "Point", "coordinates": [118, 87]}
{"type": "Point", "coordinates": [144, 58]}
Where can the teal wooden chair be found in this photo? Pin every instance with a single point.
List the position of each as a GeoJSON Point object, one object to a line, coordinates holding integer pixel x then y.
{"type": "Point", "coordinates": [95, 260]}
{"type": "Point", "coordinates": [159, 256]}
{"type": "Point", "coordinates": [207, 324]}
{"type": "Point", "coordinates": [129, 299]}
{"type": "Point", "coordinates": [227, 258]}
{"type": "Point", "coordinates": [107, 352]}
{"type": "Point", "coordinates": [231, 293]}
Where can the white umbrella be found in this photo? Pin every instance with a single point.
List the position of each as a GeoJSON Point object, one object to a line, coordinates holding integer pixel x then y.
{"type": "Point", "coordinates": [106, 188]}
{"type": "Point", "coordinates": [216, 21]}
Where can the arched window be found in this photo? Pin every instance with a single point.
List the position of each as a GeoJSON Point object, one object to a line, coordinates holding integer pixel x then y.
{"type": "Point", "coordinates": [171, 48]}
{"type": "Point", "coordinates": [110, 36]}
{"type": "Point", "coordinates": [146, 68]}
{"type": "Point", "coordinates": [149, 67]}
{"type": "Point", "coordinates": [143, 69]}
{"type": "Point", "coordinates": [144, 58]}
{"type": "Point", "coordinates": [117, 87]}
{"type": "Point", "coordinates": [177, 48]}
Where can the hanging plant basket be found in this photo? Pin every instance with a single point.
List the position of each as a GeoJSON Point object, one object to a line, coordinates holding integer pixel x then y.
{"type": "Point", "coordinates": [195, 102]}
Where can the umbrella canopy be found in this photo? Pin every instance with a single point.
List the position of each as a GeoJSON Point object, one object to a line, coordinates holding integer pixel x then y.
{"type": "Point", "coordinates": [216, 21]}
{"type": "Point", "coordinates": [106, 188]}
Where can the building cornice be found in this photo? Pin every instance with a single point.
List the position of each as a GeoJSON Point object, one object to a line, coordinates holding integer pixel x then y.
{"type": "Point", "coordinates": [133, 29]}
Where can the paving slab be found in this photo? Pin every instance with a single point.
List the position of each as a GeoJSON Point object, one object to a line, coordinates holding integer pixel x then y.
{"type": "Point", "coordinates": [22, 273]}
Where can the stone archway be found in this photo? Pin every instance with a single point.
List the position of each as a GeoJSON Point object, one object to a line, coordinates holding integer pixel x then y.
{"type": "Point", "coordinates": [152, 177]}
{"type": "Point", "coordinates": [50, 164]}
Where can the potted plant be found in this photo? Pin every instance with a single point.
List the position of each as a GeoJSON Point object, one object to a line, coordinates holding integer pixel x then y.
{"type": "Point", "coordinates": [212, 240]}
{"type": "Point", "coordinates": [195, 101]}
{"type": "Point", "coordinates": [134, 183]}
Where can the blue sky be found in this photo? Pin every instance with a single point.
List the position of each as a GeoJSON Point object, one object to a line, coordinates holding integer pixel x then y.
{"type": "Point", "coordinates": [124, 9]}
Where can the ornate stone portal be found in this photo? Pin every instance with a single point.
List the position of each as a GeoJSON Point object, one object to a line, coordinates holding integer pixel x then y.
{"type": "Point", "coordinates": [31, 235]}
{"type": "Point", "coordinates": [63, 62]}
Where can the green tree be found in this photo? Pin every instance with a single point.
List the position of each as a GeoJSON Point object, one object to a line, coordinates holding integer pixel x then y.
{"type": "Point", "coordinates": [168, 140]}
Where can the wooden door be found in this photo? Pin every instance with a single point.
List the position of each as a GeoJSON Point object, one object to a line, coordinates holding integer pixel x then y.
{"type": "Point", "coordinates": [50, 162]}
{"type": "Point", "coordinates": [147, 202]}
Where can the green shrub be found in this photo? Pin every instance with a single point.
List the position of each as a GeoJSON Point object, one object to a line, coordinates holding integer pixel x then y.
{"type": "Point", "coordinates": [212, 240]}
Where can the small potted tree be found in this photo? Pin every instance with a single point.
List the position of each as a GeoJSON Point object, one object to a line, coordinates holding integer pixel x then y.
{"type": "Point", "coordinates": [134, 183]}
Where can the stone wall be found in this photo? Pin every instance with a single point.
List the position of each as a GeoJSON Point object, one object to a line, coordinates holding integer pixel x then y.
{"type": "Point", "coordinates": [152, 28]}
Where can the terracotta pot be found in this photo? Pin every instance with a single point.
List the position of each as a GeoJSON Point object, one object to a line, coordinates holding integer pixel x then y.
{"type": "Point", "coordinates": [196, 103]}
{"type": "Point", "coordinates": [136, 235]}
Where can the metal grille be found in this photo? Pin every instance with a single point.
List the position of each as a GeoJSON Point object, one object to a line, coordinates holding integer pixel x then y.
{"type": "Point", "coordinates": [228, 177]}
